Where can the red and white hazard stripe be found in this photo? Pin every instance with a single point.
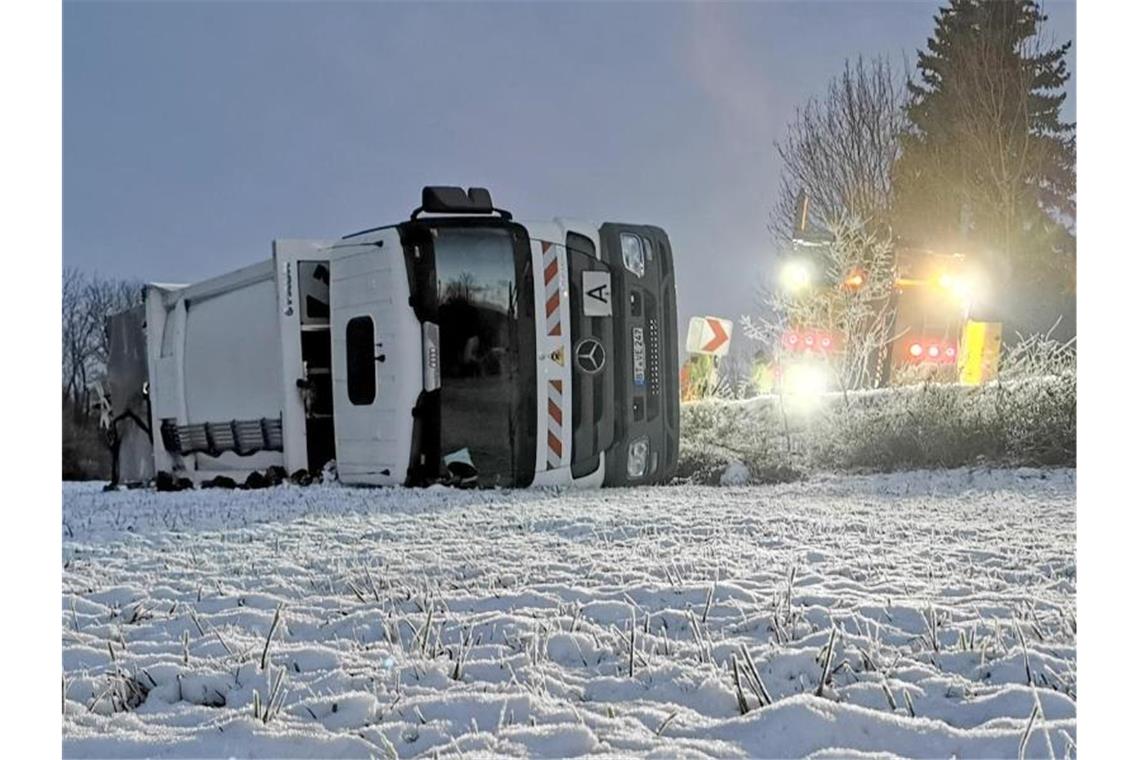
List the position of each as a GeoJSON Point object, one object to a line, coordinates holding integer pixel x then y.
{"type": "Point", "coordinates": [553, 289]}
{"type": "Point", "coordinates": [554, 447]}
{"type": "Point", "coordinates": [552, 282]}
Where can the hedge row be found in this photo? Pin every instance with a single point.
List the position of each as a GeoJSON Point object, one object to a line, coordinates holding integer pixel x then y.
{"type": "Point", "coordinates": [1023, 422]}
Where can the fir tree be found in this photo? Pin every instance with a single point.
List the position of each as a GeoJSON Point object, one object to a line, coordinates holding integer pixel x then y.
{"type": "Point", "coordinates": [988, 164]}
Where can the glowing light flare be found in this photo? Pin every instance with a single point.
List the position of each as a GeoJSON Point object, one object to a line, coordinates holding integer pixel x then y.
{"type": "Point", "coordinates": [795, 276]}
{"type": "Point", "coordinates": [804, 384]}
{"type": "Point", "coordinates": [855, 279]}
{"type": "Point", "coordinates": [959, 286]}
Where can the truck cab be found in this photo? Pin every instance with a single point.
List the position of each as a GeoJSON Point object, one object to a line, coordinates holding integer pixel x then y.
{"type": "Point", "coordinates": [458, 346]}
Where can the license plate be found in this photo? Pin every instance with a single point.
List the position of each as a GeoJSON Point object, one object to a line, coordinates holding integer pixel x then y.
{"type": "Point", "coordinates": [638, 356]}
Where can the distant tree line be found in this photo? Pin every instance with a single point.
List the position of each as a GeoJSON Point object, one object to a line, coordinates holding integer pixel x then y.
{"type": "Point", "coordinates": [968, 154]}
{"type": "Point", "coordinates": [87, 300]}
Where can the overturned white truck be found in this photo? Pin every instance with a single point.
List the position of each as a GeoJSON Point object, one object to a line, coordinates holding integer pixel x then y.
{"type": "Point", "coordinates": [459, 346]}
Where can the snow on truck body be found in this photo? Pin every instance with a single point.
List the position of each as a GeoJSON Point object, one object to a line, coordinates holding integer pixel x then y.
{"type": "Point", "coordinates": [460, 346]}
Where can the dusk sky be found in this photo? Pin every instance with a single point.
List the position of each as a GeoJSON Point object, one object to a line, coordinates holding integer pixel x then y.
{"type": "Point", "coordinates": [195, 133]}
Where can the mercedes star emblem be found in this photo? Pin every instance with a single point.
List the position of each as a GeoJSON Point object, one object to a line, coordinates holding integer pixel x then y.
{"type": "Point", "coordinates": [590, 356]}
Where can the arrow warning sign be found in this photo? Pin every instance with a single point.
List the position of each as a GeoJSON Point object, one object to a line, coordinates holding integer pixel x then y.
{"type": "Point", "coordinates": [709, 335]}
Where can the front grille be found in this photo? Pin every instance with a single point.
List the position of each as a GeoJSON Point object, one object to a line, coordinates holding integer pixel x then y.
{"type": "Point", "coordinates": [653, 356]}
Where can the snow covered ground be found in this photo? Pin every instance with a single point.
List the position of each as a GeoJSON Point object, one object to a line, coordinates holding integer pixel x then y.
{"type": "Point", "coordinates": [936, 607]}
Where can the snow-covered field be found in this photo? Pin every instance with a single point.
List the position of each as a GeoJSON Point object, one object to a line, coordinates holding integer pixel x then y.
{"type": "Point", "coordinates": [937, 609]}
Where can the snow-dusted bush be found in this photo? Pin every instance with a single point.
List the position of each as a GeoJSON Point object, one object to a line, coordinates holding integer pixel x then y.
{"type": "Point", "coordinates": [1039, 355]}
{"type": "Point", "coordinates": [1042, 419]}
{"type": "Point", "coordinates": [1026, 421]}
{"type": "Point", "coordinates": [706, 464]}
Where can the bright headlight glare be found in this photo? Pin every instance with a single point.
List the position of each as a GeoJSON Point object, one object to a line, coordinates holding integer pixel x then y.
{"type": "Point", "coordinates": [961, 287]}
{"type": "Point", "coordinates": [795, 276]}
{"type": "Point", "coordinates": [637, 459]}
{"type": "Point", "coordinates": [806, 380]}
{"type": "Point", "coordinates": [804, 386]}
{"type": "Point", "coordinates": [633, 254]}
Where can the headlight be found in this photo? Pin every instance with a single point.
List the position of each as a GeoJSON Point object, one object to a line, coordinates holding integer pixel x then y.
{"type": "Point", "coordinates": [795, 276]}
{"type": "Point", "coordinates": [959, 286]}
{"type": "Point", "coordinates": [804, 385]}
{"type": "Point", "coordinates": [633, 254]}
{"type": "Point", "coordinates": [638, 458]}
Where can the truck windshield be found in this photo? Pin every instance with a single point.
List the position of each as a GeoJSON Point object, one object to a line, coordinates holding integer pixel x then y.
{"type": "Point", "coordinates": [482, 384]}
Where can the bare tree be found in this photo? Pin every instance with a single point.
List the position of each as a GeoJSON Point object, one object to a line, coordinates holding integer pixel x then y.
{"type": "Point", "coordinates": [461, 288]}
{"type": "Point", "coordinates": [840, 149]}
{"type": "Point", "coordinates": [87, 300]}
{"type": "Point", "coordinates": [104, 298]}
{"type": "Point", "coordinates": [862, 316]}
{"type": "Point", "coordinates": [78, 337]}
{"type": "Point", "coordinates": [852, 302]}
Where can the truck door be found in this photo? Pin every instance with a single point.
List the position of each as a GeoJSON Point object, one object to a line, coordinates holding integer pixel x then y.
{"type": "Point", "coordinates": [377, 367]}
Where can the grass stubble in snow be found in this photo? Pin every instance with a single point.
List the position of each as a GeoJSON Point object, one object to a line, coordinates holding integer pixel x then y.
{"type": "Point", "coordinates": [924, 614]}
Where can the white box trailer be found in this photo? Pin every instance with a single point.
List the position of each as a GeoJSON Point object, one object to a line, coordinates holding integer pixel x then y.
{"type": "Point", "coordinates": [459, 346]}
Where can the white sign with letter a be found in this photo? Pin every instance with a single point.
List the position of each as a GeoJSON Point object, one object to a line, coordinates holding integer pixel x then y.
{"type": "Point", "coordinates": [596, 294]}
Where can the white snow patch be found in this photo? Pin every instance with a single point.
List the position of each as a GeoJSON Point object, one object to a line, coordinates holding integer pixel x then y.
{"type": "Point", "coordinates": [491, 623]}
{"type": "Point", "coordinates": [736, 474]}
